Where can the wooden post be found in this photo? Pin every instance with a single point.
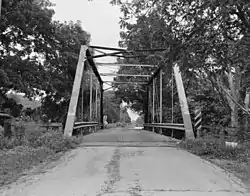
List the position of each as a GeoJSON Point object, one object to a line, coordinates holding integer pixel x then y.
{"type": "Point", "coordinates": [75, 93]}
{"type": "Point", "coordinates": [161, 99]}
{"type": "Point", "coordinates": [153, 113]}
{"type": "Point", "coordinates": [183, 102]}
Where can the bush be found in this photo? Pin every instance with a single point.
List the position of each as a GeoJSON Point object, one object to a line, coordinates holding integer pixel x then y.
{"type": "Point", "coordinates": [18, 159]}
{"type": "Point", "coordinates": [214, 149]}
{"type": "Point", "coordinates": [28, 147]}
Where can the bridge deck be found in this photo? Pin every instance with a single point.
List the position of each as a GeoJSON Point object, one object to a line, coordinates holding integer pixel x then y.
{"type": "Point", "coordinates": [128, 171]}
{"type": "Point", "coordinates": [127, 137]}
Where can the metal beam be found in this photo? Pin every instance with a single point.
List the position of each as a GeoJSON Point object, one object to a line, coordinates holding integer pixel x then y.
{"type": "Point", "coordinates": [101, 106]}
{"type": "Point", "coordinates": [125, 75]}
{"type": "Point", "coordinates": [91, 96]}
{"type": "Point", "coordinates": [153, 115]}
{"type": "Point", "coordinates": [75, 93]}
{"type": "Point", "coordinates": [108, 84]}
{"type": "Point", "coordinates": [125, 82]}
{"type": "Point", "coordinates": [107, 54]}
{"type": "Point", "coordinates": [183, 103]}
{"type": "Point", "coordinates": [108, 88]}
{"type": "Point", "coordinates": [125, 50]}
{"type": "Point", "coordinates": [125, 65]}
{"type": "Point", "coordinates": [96, 99]}
{"type": "Point", "coordinates": [82, 99]}
{"type": "Point", "coordinates": [93, 65]}
{"type": "Point", "coordinates": [107, 48]}
{"type": "Point", "coordinates": [161, 96]}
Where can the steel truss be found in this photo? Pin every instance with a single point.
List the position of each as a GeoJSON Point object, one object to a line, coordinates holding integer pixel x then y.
{"type": "Point", "coordinates": [85, 57]}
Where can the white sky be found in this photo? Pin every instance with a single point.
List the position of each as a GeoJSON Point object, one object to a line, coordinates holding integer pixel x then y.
{"type": "Point", "coordinates": [100, 19]}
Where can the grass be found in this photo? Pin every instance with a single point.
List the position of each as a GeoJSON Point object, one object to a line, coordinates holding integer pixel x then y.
{"type": "Point", "coordinates": [233, 159]}
{"type": "Point", "coordinates": [28, 147]}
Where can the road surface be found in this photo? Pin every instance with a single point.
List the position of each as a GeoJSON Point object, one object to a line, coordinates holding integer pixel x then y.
{"type": "Point", "coordinates": [122, 162]}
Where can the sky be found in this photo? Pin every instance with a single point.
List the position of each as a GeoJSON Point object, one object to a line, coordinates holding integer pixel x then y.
{"type": "Point", "coordinates": [100, 19]}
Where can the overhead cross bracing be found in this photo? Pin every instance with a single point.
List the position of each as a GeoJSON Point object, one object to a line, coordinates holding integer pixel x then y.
{"type": "Point", "coordinates": [123, 53]}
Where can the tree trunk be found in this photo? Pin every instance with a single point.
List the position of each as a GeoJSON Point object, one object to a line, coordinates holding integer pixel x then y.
{"type": "Point", "coordinates": [234, 116]}
{"type": "Point", "coordinates": [234, 87]}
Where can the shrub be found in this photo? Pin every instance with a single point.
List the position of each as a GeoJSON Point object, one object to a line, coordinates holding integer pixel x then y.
{"type": "Point", "coordinates": [214, 149]}
{"type": "Point", "coordinates": [16, 160]}
{"type": "Point", "coordinates": [28, 147]}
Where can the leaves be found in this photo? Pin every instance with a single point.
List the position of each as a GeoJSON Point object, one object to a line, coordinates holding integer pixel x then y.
{"type": "Point", "coordinates": [38, 54]}
{"type": "Point", "coordinates": [209, 37]}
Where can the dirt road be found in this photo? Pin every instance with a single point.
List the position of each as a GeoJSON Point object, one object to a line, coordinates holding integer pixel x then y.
{"type": "Point", "coordinates": [121, 162]}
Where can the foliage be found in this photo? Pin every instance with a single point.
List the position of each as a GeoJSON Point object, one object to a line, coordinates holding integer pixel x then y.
{"type": "Point", "coordinates": [29, 146]}
{"type": "Point", "coordinates": [139, 121]}
{"type": "Point", "coordinates": [233, 159]}
{"type": "Point", "coordinates": [214, 149]}
{"type": "Point", "coordinates": [111, 108]}
{"type": "Point", "coordinates": [208, 39]}
{"type": "Point", "coordinates": [38, 54]}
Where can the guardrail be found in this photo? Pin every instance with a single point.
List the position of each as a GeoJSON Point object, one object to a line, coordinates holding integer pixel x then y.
{"type": "Point", "coordinates": [166, 126]}
{"type": "Point", "coordinates": [79, 125]}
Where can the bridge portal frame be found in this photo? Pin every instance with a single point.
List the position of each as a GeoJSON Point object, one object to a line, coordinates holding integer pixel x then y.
{"type": "Point", "coordinates": [85, 56]}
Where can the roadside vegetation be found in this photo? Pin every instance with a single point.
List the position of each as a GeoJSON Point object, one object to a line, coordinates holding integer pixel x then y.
{"type": "Point", "coordinates": [28, 147]}
{"type": "Point", "coordinates": [235, 159]}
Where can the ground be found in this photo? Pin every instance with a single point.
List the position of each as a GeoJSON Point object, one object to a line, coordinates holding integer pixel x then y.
{"type": "Point", "coordinates": [127, 162]}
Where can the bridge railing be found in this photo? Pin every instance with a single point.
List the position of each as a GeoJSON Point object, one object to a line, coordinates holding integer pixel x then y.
{"type": "Point", "coordinates": [166, 126]}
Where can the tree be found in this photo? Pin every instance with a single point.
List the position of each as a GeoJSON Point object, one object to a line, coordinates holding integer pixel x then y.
{"type": "Point", "coordinates": [38, 54]}
{"type": "Point", "coordinates": [208, 37]}
{"type": "Point", "coordinates": [61, 68]}
{"type": "Point", "coordinates": [25, 32]}
{"type": "Point", "coordinates": [111, 106]}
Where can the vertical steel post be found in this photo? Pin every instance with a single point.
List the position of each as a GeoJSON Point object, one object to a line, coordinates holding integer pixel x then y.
{"type": "Point", "coordinates": [91, 98]}
{"type": "Point", "coordinates": [96, 100]}
{"type": "Point", "coordinates": [146, 108]}
{"type": "Point", "coordinates": [96, 103]}
{"type": "Point", "coordinates": [161, 99]}
{"type": "Point", "coordinates": [149, 105]}
{"type": "Point", "coordinates": [101, 106]}
{"type": "Point", "coordinates": [75, 93]}
{"type": "Point", "coordinates": [172, 100]}
{"type": "Point", "coordinates": [153, 117]}
{"type": "Point", "coordinates": [82, 100]}
{"type": "Point", "coordinates": [91, 95]}
{"type": "Point", "coordinates": [183, 102]}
